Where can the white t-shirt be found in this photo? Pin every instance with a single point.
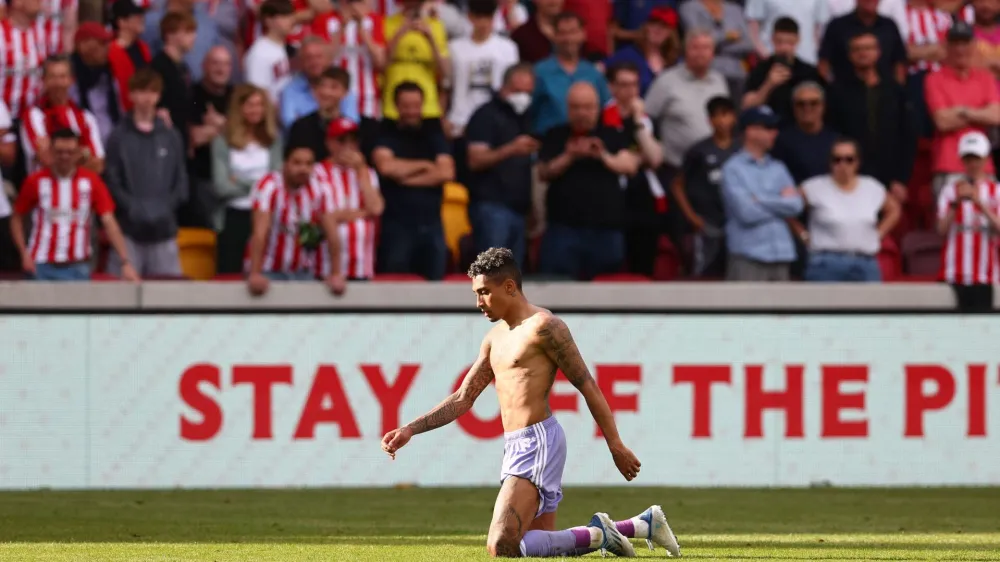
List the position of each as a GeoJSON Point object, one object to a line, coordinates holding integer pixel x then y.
{"type": "Point", "coordinates": [807, 13]}
{"type": "Point", "coordinates": [477, 72]}
{"type": "Point", "coordinates": [892, 9]}
{"type": "Point", "coordinates": [248, 165]}
{"type": "Point", "coordinates": [844, 221]}
{"type": "Point", "coordinates": [5, 124]}
{"type": "Point", "coordinates": [266, 66]}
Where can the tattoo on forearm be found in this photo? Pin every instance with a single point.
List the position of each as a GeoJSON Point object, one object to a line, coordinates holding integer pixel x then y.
{"type": "Point", "coordinates": [559, 345]}
{"type": "Point", "coordinates": [478, 378]}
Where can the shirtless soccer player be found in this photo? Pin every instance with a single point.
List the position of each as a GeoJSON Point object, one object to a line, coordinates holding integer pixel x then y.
{"type": "Point", "coordinates": [521, 353]}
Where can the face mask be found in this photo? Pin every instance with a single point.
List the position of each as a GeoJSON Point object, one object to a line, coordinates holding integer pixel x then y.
{"type": "Point", "coordinates": [520, 101]}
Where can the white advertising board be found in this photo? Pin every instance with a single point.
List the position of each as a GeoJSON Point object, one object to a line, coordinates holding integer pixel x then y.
{"type": "Point", "coordinates": [273, 400]}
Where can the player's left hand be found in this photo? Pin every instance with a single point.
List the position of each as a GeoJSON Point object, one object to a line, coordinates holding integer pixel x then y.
{"type": "Point", "coordinates": [626, 461]}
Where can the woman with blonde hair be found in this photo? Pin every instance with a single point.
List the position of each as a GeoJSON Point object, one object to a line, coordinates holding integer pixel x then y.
{"type": "Point", "coordinates": [247, 150]}
{"type": "Point", "coordinates": [657, 48]}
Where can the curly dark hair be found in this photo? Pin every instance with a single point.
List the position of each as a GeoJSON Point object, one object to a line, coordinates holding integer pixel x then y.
{"type": "Point", "coordinates": [497, 265]}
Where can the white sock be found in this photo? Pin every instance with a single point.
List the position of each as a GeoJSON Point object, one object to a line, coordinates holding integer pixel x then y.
{"type": "Point", "coordinates": [596, 537]}
{"type": "Point", "coordinates": [641, 528]}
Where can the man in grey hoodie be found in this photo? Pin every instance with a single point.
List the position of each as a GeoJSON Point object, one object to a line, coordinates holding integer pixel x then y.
{"type": "Point", "coordinates": [145, 172]}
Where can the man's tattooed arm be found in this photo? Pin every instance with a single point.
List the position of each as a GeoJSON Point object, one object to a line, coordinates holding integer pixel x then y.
{"type": "Point", "coordinates": [558, 344]}
{"type": "Point", "coordinates": [480, 376]}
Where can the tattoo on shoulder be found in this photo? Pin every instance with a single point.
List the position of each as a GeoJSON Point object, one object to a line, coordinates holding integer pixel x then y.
{"type": "Point", "coordinates": [559, 346]}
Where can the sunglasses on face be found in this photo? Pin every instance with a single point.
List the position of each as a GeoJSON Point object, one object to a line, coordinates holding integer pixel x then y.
{"type": "Point", "coordinates": [843, 159]}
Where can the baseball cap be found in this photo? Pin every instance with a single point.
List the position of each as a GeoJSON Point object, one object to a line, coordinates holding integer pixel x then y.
{"type": "Point", "coordinates": [341, 127]}
{"type": "Point", "coordinates": [761, 115]}
{"type": "Point", "coordinates": [961, 31]}
{"type": "Point", "coordinates": [664, 15]}
{"type": "Point", "coordinates": [122, 9]}
{"type": "Point", "coordinates": [93, 30]}
{"type": "Point", "coordinates": [974, 143]}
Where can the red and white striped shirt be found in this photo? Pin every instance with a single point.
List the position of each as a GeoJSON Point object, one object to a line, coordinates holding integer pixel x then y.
{"type": "Point", "coordinates": [290, 209]}
{"type": "Point", "coordinates": [63, 211]}
{"type": "Point", "coordinates": [612, 117]}
{"type": "Point", "coordinates": [22, 52]}
{"type": "Point", "coordinates": [358, 236]}
{"type": "Point", "coordinates": [50, 24]}
{"type": "Point", "coordinates": [928, 26]}
{"type": "Point", "coordinates": [970, 253]}
{"type": "Point", "coordinates": [40, 122]}
{"type": "Point", "coordinates": [385, 8]}
{"type": "Point", "coordinates": [354, 56]}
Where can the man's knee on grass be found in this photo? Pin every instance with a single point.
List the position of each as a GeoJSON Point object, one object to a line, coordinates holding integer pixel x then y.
{"type": "Point", "coordinates": [504, 539]}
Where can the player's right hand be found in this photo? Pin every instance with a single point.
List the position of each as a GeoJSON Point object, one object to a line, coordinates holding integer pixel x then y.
{"type": "Point", "coordinates": [626, 461]}
{"type": "Point", "coordinates": [395, 439]}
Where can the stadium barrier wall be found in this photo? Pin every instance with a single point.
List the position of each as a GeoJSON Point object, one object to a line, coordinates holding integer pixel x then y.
{"type": "Point", "coordinates": [188, 387]}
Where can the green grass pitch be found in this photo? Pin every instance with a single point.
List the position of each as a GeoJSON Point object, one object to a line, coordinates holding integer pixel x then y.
{"type": "Point", "coordinates": [450, 524]}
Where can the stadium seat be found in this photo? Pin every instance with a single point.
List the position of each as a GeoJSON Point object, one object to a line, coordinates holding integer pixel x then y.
{"type": "Point", "coordinates": [196, 247]}
{"type": "Point", "coordinates": [622, 278]}
{"type": "Point", "coordinates": [889, 260]}
{"type": "Point", "coordinates": [397, 277]}
{"type": "Point", "coordinates": [455, 219]}
{"type": "Point", "coordinates": [667, 265]}
{"type": "Point", "coordinates": [921, 252]}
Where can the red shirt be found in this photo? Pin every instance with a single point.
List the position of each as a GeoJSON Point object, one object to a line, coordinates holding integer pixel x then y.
{"type": "Point", "coordinates": [290, 209]}
{"type": "Point", "coordinates": [40, 121]}
{"type": "Point", "coordinates": [63, 211]}
{"type": "Point", "coordinates": [970, 254]}
{"type": "Point", "coordinates": [596, 14]}
{"type": "Point", "coordinates": [354, 56]}
{"type": "Point", "coordinates": [122, 68]}
{"type": "Point", "coordinates": [21, 54]}
{"type": "Point", "coordinates": [945, 89]}
{"type": "Point", "coordinates": [928, 26]}
{"type": "Point", "coordinates": [357, 237]}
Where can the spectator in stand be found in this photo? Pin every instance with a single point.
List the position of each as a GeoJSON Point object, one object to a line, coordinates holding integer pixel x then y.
{"type": "Point", "coordinates": [845, 232]}
{"type": "Point", "coordinates": [177, 30]}
{"type": "Point", "coordinates": [698, 192]}
{"type": "Point", "coordinates": [418, 53]}
{"type": "Point", "coordinates": [456, 25]}
{"type": "Point", "coordinates": [208, 35]}
{"type": "Point", "coordinates": [57, 23]}
{"type": "Point", "coordinates": [510, 15]}
{"type": "Point", "coordinates": [961, 99]}
{"type": "Point", "coordinates": [298, 99]}
{"type": "Point", "coordinates": [500, 161]}
{"type": "Point", "coordinates": [56, 110]}
{"type": "Point", "coordinates": [987, 33]}
{"type": "Point", "coordinates": [329, 90]}
{"type": "Point", "coordinates": [127, 53]}
{"type": "Point", "coordinates": [656, 49]}
{"type": "Point", "coordinates": [645, 198]}
{"type": "Point", "coordinates": [356, 34]}
{"type": "Point", "coordinates": [145, 172]}
{"type": "Point", "coordinates": [9, 259]}
{"type": "Point", "coordinates": [535, 38]}
{"type": "Point", "coordinates": [209, 104]}
{"type": "Point", "coordinates": [810, 16]}
{"type": "Point", "coordinates": [583, 160]}
{"type": "Point", "coordinates": [479, 62]}
{"type": "Point", "coordinates": [357, 203]}
{"type": "Point", "coordinates": [20, 68]}
{"type": "Point", "coordinates": [414, 161]}
{"type": "Point", "coordinates": [595, 16]}
{"type": "Point", "coordinates": [63, 199]}
{"type": "Point", "coordinates": [967, 216]}
{"type": "Point", "coordinates": [772, 81]}
{"type": "Point", "coordinates": [677, 99]}
{"type": "Point", "coordinates": [292, 213]}
{"type": "Point", "coordinates": [249, 149]}
{"type": "Point", "coordinates": [630, 15]}
{"type": "Point", "coordinates": [759, 194]}
{"type": "Point", "coordinates": [302, 17]}
{"type": "Point", "coordinates": [834, 54]}
{"type": "Point", "coordinates": [928, 26]}
{"type": "Point", "coordinates": [805, 144]}
{"type": "Point", "coordinates": [891, 9]}
{"type": "Point", "coordinates": [265, 64]}
{"type": "Point", "coordinates": [95, 88]}
{"type": "Point", "coordinates": [873, 109]}
{"type": "Point", "coordinates": [555, 75]}
{"type": "Point", "coordinates": [728, 26]}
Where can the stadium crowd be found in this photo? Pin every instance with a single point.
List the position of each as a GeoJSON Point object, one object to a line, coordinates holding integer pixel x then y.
{"type": "Point", "coordinates": [765, 140]}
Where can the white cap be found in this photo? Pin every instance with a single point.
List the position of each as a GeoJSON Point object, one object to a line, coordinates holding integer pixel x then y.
{"type": "Point", "coordinates": [974, 143]}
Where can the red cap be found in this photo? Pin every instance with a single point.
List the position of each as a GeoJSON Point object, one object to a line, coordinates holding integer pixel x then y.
{"type": "Point", "coordinates": [93, 30]}
{"type": "Point", "coordinates": [666, 16]}
{"type": "Point", "coordinates": [341, 127]}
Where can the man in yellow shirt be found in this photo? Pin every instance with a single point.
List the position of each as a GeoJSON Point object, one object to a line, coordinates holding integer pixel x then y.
{"type": "Point", "coordinates": [418, 52]}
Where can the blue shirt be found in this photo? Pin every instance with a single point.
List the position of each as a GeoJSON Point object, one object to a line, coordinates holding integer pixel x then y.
{"type": "Point", "coordinates": [548, 108]}
{"type": "Point", "coordinates": [755, 209]}
{"type": "Point", "coordinates": [630, 54]}
{"type": "Point", "coordinates": [631, 14]}
{"type": "Point", "coordinates": [207, 36]}
{"type": "Point", "coordinates": [297, 101]}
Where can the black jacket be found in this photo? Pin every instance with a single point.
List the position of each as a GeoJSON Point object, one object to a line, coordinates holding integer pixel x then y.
{"type": "Point", "coordinates": [310, 131]}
